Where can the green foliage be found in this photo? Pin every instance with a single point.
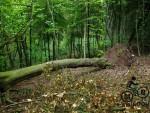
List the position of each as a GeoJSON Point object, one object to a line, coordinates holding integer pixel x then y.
{"type": "Point", "coordinates": [59, 27]}
{"type": "Point", "coordinates": [100, 53]}
{"type": "Point", "coordinates": [56, 20]}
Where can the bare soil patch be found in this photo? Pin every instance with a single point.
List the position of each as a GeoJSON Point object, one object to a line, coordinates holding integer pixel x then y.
{"type": "Point", "coordinates": [120, 55]}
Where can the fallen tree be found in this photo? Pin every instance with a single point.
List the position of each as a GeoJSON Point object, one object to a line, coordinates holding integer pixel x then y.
{"type": "Point", "coordinates": [10, 78]}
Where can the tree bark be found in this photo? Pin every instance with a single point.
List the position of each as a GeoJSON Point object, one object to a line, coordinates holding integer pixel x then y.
{"type": "Point", "coordinates": [10, 78]}
{"type": "Point", "coordinates": [30, 32]}
{"type": "Point", "coordinates": [84, 52]}
{"type": "Point", "coordinates": [88, 29]}
{"type": "Point", "coordinates": [48, 40]}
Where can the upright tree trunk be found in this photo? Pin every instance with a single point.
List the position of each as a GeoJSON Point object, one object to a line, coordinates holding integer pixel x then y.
{"type": "Point", "coordinates": [88, 28]}
{"type": "Point", "coordinates": [81, 47]}
{"type": "Point", "coordinates": [24, 45]}
{"type": "Point", "coordinates": [45, 48]}
{"type": "Point", "coordinates": [10, 57]}
{"type": "Point", "coordinates": [119, 23]}
{"type": "Point", "coordinates": [73, 46]}
{"type": "Point", "coordinates": [1, 33]}
{"type": "Point", "coordinates": [19, 49]}
{"type": "Point", "coordinates": [85, 33]}
{"type": "Point", "coordinates": [54, 56]}
{"type": "Point", "coordinates": [58, 47]}
{"type": "Point", "coordinates": [84, 42]}
{"type": "Point", "coordinates": [48, 41]}
{"type": "Point", "coordinates": [97, 39]}
{"type": "Point", "coordinates": [50, 9]}
{"type": "Point", "coordinates": [137, 36]}
{"type": "Point", "coordinates": [31, 33]}
{"type": "Point", "coordinates": [70, 52]}
{"type": "Point", "coordinates": [41, 48]}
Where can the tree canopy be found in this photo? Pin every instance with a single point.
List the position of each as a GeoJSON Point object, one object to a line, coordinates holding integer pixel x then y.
{"type": "Point", "coordinates": [35, 31]}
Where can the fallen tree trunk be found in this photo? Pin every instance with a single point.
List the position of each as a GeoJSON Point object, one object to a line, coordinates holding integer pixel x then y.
{"type": "Point", "coordinates": [10, 78]}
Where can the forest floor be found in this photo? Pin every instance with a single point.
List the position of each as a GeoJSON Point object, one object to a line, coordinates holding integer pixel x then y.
{"type": "Point", "coordinates": [110, 82]}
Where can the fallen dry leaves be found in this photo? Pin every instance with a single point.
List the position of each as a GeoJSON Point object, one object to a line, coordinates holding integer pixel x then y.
{"type": "Point", "coordinates": [96, 92]}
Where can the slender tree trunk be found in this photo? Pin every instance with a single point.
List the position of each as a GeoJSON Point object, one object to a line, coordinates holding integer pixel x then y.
{"type": "Point", "coordinates": [97, 39]}
{"type": "Point", "coordinates": [73, 46]}
{"type": "Point", "coordinates": [41, 47]}
{"type": "Point", "coordinates": [31, 33]}
{"type": "Point", "coordinates": [143, 27]}
{"type": "Point", "coordinates": [48, 41]}
{"type": "Point", "coordinates": [119, 23]}
{"type": "Point", "coordinates": [93, 42]}
{"type": "Point", "coordinates": [24, 45]}
{"type": "Point", "coordinates": [45, 48]}
{"type": "Point", "coordinates": [5, 63]}
{"type": "Point", "coordinates": [50, 9]}
{"type": "Point", "coordinates": [10, 58]}
{"type": "Point", "coordinates": [84, 40]}
{"type": "Point", "coordinates": [85, 31]}
{"type": "Point", "coordinates": [81, 47]}
{"type": "Point", "coordinates": [54, 57]}
{"type": "Point", "coordinates": [70, 40]}
{"type": "Point", "coordinates": [137, 36]}
{"type": "Point", "coordinates": [88, 29]}
{"type": "Point", "coordinates": [1, 33]}
{"type": "Point", "coordinates": [19, 49]}
{"type": "Point", "coordinates": [58, 47]}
